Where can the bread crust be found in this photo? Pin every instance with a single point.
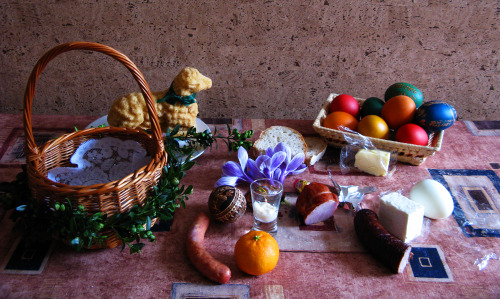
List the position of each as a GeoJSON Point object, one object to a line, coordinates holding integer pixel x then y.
{"type": "Point", "coordinates": [316, 149]}
{"type": "Point", "coordinates": [267, 137]}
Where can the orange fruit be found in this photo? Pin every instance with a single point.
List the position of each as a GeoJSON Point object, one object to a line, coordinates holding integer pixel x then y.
{"type": "Point", "coordinates": [340, 118]}
{"type": "Point", "coordinates": [399, 110]}
{"type": "Point", "coordinates": [256, 252]}
{"type": "Point", "coordinates": [373, 126]}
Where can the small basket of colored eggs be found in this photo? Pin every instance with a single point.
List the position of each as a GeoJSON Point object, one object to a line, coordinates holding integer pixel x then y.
{"type": "Point", "coordinates": [402, 122]}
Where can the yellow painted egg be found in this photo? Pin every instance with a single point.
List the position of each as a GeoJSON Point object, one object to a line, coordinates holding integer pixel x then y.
{"type": "Point", "coordinates": [373, 126]}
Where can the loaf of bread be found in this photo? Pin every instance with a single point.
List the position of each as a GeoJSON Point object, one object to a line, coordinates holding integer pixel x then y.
{"type": "Point", "coordinates": [271, 136]}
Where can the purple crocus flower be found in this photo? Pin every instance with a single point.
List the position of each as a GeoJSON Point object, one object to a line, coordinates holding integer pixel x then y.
{"type": "Point", "coordinates": [276, 164]}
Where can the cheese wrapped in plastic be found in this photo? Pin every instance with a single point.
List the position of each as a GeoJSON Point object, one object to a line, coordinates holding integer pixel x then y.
{"type": "Point", "coordinates": [359, 154]}
{"type": "Point", "coordinates": [375, 162]}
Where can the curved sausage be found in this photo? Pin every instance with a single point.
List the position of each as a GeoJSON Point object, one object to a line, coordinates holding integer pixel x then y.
{"type": "Point", "coordinates": [387, 248]}
{"type": "Point", "coordinates": [200, 258]}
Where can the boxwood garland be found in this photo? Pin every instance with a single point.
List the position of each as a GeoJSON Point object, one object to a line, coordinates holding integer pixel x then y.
{"type": "Point", "coordinates": [83, 230]}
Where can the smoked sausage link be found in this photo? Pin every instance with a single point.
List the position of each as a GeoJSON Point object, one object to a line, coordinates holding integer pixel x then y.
{"type": "Point", "coordinates": [316, 203]}
{"type": "Point", "coordinates": [387, 248]}
{"type": "Point", "coordinates": [201, 259]}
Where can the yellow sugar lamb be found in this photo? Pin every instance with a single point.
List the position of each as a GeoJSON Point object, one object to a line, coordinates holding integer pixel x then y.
{"type": "Point", "coordinates": [174, 106]}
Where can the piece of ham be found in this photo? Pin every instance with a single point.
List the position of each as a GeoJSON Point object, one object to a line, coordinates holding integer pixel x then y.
{"type": "Point", "coordinates": [316, 203]}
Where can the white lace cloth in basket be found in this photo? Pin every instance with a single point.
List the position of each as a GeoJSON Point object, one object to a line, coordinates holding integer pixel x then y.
{"type": "Point", "coordinates": [101, 161]}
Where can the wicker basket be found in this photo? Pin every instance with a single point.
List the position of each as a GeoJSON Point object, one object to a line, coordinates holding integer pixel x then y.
{"type": "Point", "coordinates": [109, 198]}
{"type": "Point", "coordinates": [407, 153]}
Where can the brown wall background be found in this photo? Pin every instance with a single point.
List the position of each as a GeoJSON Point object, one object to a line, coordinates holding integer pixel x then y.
{"type": "Point", "coordinates": [267, 59]}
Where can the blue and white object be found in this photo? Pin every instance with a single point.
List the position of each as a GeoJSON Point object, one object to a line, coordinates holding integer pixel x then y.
{"type": "Point", "coordinates": [435, 116]}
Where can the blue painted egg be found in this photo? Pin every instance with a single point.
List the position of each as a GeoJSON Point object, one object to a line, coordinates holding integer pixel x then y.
{"type": "Point", "coordinates": [435, 116]}
{"type": "Point", "coordinates": [405, 89]}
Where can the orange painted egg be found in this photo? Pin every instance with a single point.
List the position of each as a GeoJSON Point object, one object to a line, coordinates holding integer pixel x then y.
{"type": "Point", "coordinates": [337, 119]}
{"type": "Point", "coordinates": [398, 111]}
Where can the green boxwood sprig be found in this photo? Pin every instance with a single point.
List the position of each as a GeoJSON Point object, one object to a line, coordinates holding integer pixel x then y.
{"type": "Point", "coordinates": [233, 140]}
{"type": "Point", "coordinates": [80, 229]}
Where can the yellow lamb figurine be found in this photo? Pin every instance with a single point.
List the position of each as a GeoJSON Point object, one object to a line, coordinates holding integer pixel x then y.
{"type": "Point", "coordinates": [175, 106]}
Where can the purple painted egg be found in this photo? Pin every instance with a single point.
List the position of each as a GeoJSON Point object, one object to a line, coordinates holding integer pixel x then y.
{"type": "Point", "coordinates": [435, 116]}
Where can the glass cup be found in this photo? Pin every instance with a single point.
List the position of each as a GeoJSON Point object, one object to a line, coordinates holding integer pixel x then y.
{"type": "Point", "coordinates": [266, 197]}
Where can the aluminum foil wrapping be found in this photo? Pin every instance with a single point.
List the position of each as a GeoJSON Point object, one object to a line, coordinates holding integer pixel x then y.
{"type": "Point", "coordinates": [350, 197]}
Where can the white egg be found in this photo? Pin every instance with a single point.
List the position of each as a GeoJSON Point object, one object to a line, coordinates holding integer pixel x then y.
{"type": "Point", "coordinates": [434, 197]}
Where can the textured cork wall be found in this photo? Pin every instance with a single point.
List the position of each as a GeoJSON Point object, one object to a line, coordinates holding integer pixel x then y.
{"type": "Point", "coordinates": [267, 59]}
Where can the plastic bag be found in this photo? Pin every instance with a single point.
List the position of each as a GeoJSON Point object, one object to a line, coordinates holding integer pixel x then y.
{"type": "Point", "coordinates": [361, 155]}
{"type": "Point", "coordinates": [483, 262]}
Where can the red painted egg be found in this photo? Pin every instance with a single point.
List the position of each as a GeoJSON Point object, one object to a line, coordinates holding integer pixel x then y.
{"type": "Point", "coordinates": [412, 133]}
{"type": "Point", "coordinates": [346, 103]}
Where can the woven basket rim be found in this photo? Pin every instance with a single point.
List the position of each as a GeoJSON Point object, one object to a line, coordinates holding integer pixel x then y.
{"type": "Point", "coordinates": [96, 188]}
{"type": "Point", "coordinates": [435, 139]}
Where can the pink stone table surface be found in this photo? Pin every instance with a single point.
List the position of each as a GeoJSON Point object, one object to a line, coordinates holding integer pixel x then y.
{"type": "Point", "coordinates": [342, 270]}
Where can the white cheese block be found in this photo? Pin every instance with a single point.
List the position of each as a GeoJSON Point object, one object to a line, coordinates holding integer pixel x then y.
{"type": "Point", "coordinates": [401, 216]}
{"type": "Point", "coordinates": [375, 162]}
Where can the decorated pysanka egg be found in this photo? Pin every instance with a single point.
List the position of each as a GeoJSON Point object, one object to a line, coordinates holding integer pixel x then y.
{"type": "Point", "coordinates": [227, 204]}
{"type": "Point", "coordinates": [405, 89]}
{"type": "Point", "coordinates": [435, 116]}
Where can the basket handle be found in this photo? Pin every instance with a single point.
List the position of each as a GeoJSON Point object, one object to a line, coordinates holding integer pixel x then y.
{"type": "Point", "coordinates": [31, 146]}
